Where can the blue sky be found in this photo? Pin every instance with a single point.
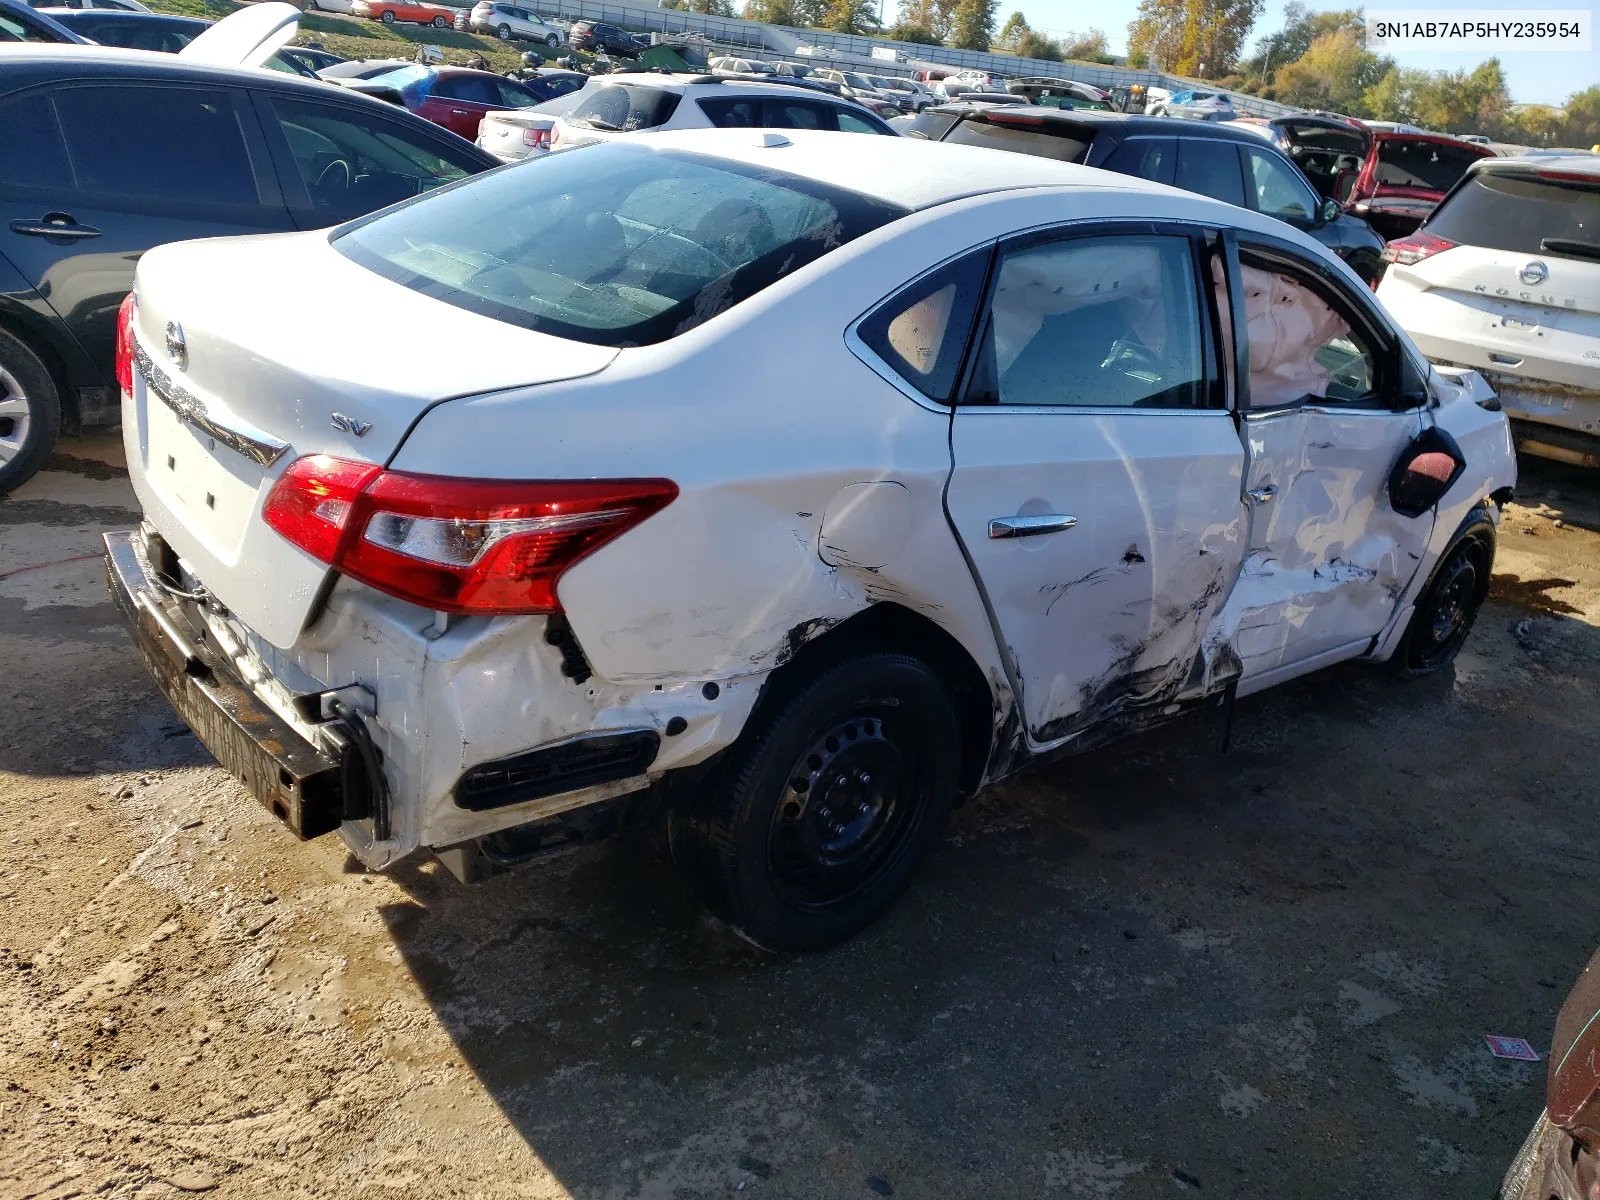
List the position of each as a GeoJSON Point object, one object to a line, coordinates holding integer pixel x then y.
{"type": "Point", "coordinates": [1534, 77]}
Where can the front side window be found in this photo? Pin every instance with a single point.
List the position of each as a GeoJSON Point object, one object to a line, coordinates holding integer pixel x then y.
{"type": "Point", "coordinates": [850, 122]}
{"type": "Point", "coordinates": [180, 144]}
{"type": "Point", "coordinates": [922, 332]}
{"type": "Point", "coordinates": [1303, 347]}
{"type": "Point", "coordinates": [353, 163]}
{"type": "Point", "coordinates": [1094, 322]}
{"type": "Point", "coordinates": [473, 89]}
{"type": "Point", "coordinates": [1277, 187]}
{"type": "Point", "coordinates": [612, 244]}
{"type": "Point", "coordinates": [618, 109]}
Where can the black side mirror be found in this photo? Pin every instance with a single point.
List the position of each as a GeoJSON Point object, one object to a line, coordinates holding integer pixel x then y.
{"type": "Point", "coordinates": [1426, 469]}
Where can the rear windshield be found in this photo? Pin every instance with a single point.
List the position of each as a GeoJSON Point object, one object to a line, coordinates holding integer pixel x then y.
{"type": "Point", "coordinates": [1036, 139]}
{"type": "Point", "coordinates": [613, 244]}
{"type": "Point", "coordinates": [617, 109]}
{"type": "Point", "coordinates": [1523, 214]}
{"type": "Point", "coordinates": [1406, 163]}
{"type": "Point", "coordinates": [931, 124]}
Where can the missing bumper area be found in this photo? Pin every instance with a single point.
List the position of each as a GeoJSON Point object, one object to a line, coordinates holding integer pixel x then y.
{"type": "Point", "coordinates": [579, 762]}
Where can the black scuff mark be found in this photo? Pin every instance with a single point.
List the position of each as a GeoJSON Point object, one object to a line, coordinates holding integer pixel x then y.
{"type": "Point", "coordinates": [1132, 555]}
{"type": "Point", "coordinates": [802, 633]}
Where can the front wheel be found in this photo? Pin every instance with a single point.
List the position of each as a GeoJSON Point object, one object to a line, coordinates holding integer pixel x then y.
{"type": "Point", "coordinates": [1449, 605]}
{"type": "Point", "coordinates": [826, 804]}
{"type": "Point", "coordinates": [30, 412]}
{"type": "Point", "coordinates": [439, 22]}
{"type": "Point", "coordinates": [387, 18]}
{"type": "Point", "coordinates": [503, 33]}
{"type": "Point", "coordinates": [552, 41]}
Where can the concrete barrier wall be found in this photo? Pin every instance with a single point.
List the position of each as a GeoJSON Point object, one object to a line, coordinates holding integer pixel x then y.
{"type": "Point", "coordinates": [783, 42]}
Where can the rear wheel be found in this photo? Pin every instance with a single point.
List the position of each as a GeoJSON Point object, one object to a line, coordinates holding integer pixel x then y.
{"type": "Point", "coordinates": [503, 33]}
{"type": "Point", "coordinates": [387, 18]}
{"type": "Point", "coordinates": [1449, 605]}
{"type": "Point", "coordinates": [826, 804]}
{"type": "Point", "coordinates": [440, 22]}
{"type": "Point", "coordinates": [30, 412]}
{"type": "Point", "coordinates": [552, 41]}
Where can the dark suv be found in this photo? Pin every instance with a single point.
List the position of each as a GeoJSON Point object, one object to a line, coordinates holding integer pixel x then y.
{"type": "Point", "coordinates": [1227, 164]}
{"type": "Point", "coordinates": [599, 38]}
{"type": "Point", "coordinates": [107, 153]}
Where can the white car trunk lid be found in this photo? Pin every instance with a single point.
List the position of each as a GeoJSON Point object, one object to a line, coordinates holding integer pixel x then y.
{"type": "Point", "coordinates": [246, 38]}
{"type": "Point", "coordinates": [253, 369]}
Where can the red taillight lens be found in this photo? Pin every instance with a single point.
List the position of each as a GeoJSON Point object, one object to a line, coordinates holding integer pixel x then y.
{"type": "Point", "coordinates": [539, 139]}
{"type": "Point", "coordinates": [1420, 245]}
{"type": "Point", "coordinates": [312, 502]}
{"type": "Point", "coordinates": [127, 311]}
{"type": "Point", "coordinates": [555, 134]}
{"type": "Point", "coordinates": [458, 545]}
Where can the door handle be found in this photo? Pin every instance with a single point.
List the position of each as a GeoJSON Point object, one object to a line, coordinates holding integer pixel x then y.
{"type": "Point", "coordinates": [55, 224]}
{"type": "Point", "coordinates": [1263, 495]}
{"type": "Point", "coordinates": [1016, 527]}
{"type": "Point", "coordinates": [458, 112]}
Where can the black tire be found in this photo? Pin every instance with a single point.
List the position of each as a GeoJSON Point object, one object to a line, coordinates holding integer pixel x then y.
{"type": "Point", "coordinates": [28, 435]}
{"type": "Point", "coordinates": [552, 41]}
{"type": "Point", "coordinates": [1368, 266]}
{"type": "Point", "coordinates": [440, 23]}
{"type": "Point", "coordinates": [1448, 606]}
{"type": "Point", "coordinates": [387, 17]}
{"type": "Point", "coordinates": [792, 842]}
{"type": "Point", "coordinates": [503, 33]}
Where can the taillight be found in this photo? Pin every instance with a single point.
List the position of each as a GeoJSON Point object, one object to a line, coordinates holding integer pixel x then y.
{"type": "Point", "coordinates": [1409, 250]}
{"type": "Point", "coordinates": [555, 134]}
{"type": "Point", "coordinates": [127, 313]}
{"type": "Point", "coordinates": [457, 545]}
{"type": "Point", "coordinates": [539, 139]}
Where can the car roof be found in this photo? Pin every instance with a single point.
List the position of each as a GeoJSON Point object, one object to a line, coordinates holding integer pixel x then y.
{"type": "Point", "coordinates": [909, 172]}
{"type": "Point", "coordinates": [71, 16]}
{"type": "Point", "coordinates": [26, 64]}
{"type": "Point", "coordinates": [681, 82]}
{"type": "Point", "coordinates": [1574, 163]}
{"type": "Point", "coordinates": [1118, 124]}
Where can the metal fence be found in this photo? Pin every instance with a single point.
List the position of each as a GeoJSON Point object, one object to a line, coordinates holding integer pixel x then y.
{"type": "Point", "coordinates": [783, 43]}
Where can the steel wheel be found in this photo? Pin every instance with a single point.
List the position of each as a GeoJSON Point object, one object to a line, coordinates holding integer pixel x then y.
{"type": "Point", "coordinates": [845, 812]}
{"type": "Point", "coordinates": [1449, 605]}
{"type": "Point", "coordinates": [16, 417]}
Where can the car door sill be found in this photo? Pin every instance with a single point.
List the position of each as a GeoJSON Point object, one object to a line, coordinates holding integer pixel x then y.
{"type": "Point", "coordinates": [1304, 666]}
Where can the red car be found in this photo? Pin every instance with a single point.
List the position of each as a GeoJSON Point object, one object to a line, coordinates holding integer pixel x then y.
{"type": "Point", "coordinates": [390, 11]}
{"type": "Point", "coordinates": [1390, 178]}
{"type": "Point", "coordinates": [456, 97]}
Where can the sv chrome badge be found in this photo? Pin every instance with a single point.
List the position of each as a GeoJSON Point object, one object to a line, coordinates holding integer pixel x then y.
{"type": "Point", "coordinates": [177, 348]}
{"type": "Point", "coordinates": [351, 425]}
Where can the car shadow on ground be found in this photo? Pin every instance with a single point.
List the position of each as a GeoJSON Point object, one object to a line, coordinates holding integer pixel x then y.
{"type": "Point", "coordinates": [1151, 960]}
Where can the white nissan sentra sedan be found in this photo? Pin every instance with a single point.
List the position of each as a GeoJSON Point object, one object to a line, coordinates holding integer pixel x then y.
{"type": "Point", "coordinates": [788, 487]}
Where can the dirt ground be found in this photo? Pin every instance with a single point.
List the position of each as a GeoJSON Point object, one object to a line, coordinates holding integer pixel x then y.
{"type": "Point", "coordinates": [1149, 970]}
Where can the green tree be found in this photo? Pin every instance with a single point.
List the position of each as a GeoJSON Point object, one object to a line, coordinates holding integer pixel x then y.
{"type": "Point", "coordinates": [1155, 38]}
{"type": "Point", "coordinates": [906, 31]}
{"type": "Point", "coordinates": [711, 8]}
{"type": "Point", "coordinates": [1214, 32]}
{"type": "Point", "coordinates": [773, 12]}
{"type": "Point", "coordinates": [1011, 33]}
{"type": "Point", "coordinates": [1300, 29]}
{"type": "Point", "coordinates": [972, 24]}
{"type": "Point", "coordinates": [1335, 73]}
{"type": "Point", "coordinates": [851, 16]}
{"type": "Point", "coordinates": [1033, 44]}
{"type": "Point", "coordinates": [1537, 125]}
{"type": "Point", "coordinates": [1583, 118]}
{"type": "Point", "coordinates": [1394, 96]}
{"type": "Point", "coordinates": [1087, 47]}
{"type": "Point", "coordinates": [1451, 100]}
{"type": "Point", "coordinates": [936, 16]}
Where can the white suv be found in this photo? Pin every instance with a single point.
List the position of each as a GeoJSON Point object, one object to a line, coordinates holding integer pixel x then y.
{"type": "Point", "coordinates": [1504, 277]}
{"type": "Point", "coordinates": [510, 22]}
{"type": "Point", "coordinates": [627, 104]}
{"type": "Point", "coordinates": [795, 486]}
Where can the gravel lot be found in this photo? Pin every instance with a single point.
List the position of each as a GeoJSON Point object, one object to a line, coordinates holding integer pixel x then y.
{"type": "Point", "coordinates": [1150, 970]}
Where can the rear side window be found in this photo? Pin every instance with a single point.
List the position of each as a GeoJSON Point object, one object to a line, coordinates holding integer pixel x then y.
{"type": "Point", "coordinates": [612, 244]}
{"type": "Point", "coordinates": [1097, 322]}
{"type": "Point", "coordinates": [799, 114]}
{"type": "Point", "coordinates": [1154, 159]}
{"type": "Point", "coordinates": [1035, 138]}
{"type": "Point", "coordinates": [1210, 168]}
{"type": "Point", "coordinates": [922, 333]}
{"type": "Point", "coordinates": [625, 109]}
{"type": "Point", "coordinates": [31, 152]}
{"type": "Point", "coordinates": [1419, 164]}
{"type": "Point", "coordinates": [736, 112]}
{"type": "Point", "coordinates": [931, 125]}
{"type": "Point", "coordinates": [165, 37]}
{"type": "Point", "coordinates": [1525, 214]}
{"type": "Point", "coordinates": [181, 144]}
{"type": "Point", "coordinates": [850, 122]}
{"type": "Point", "coordinates": [471, 88]}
